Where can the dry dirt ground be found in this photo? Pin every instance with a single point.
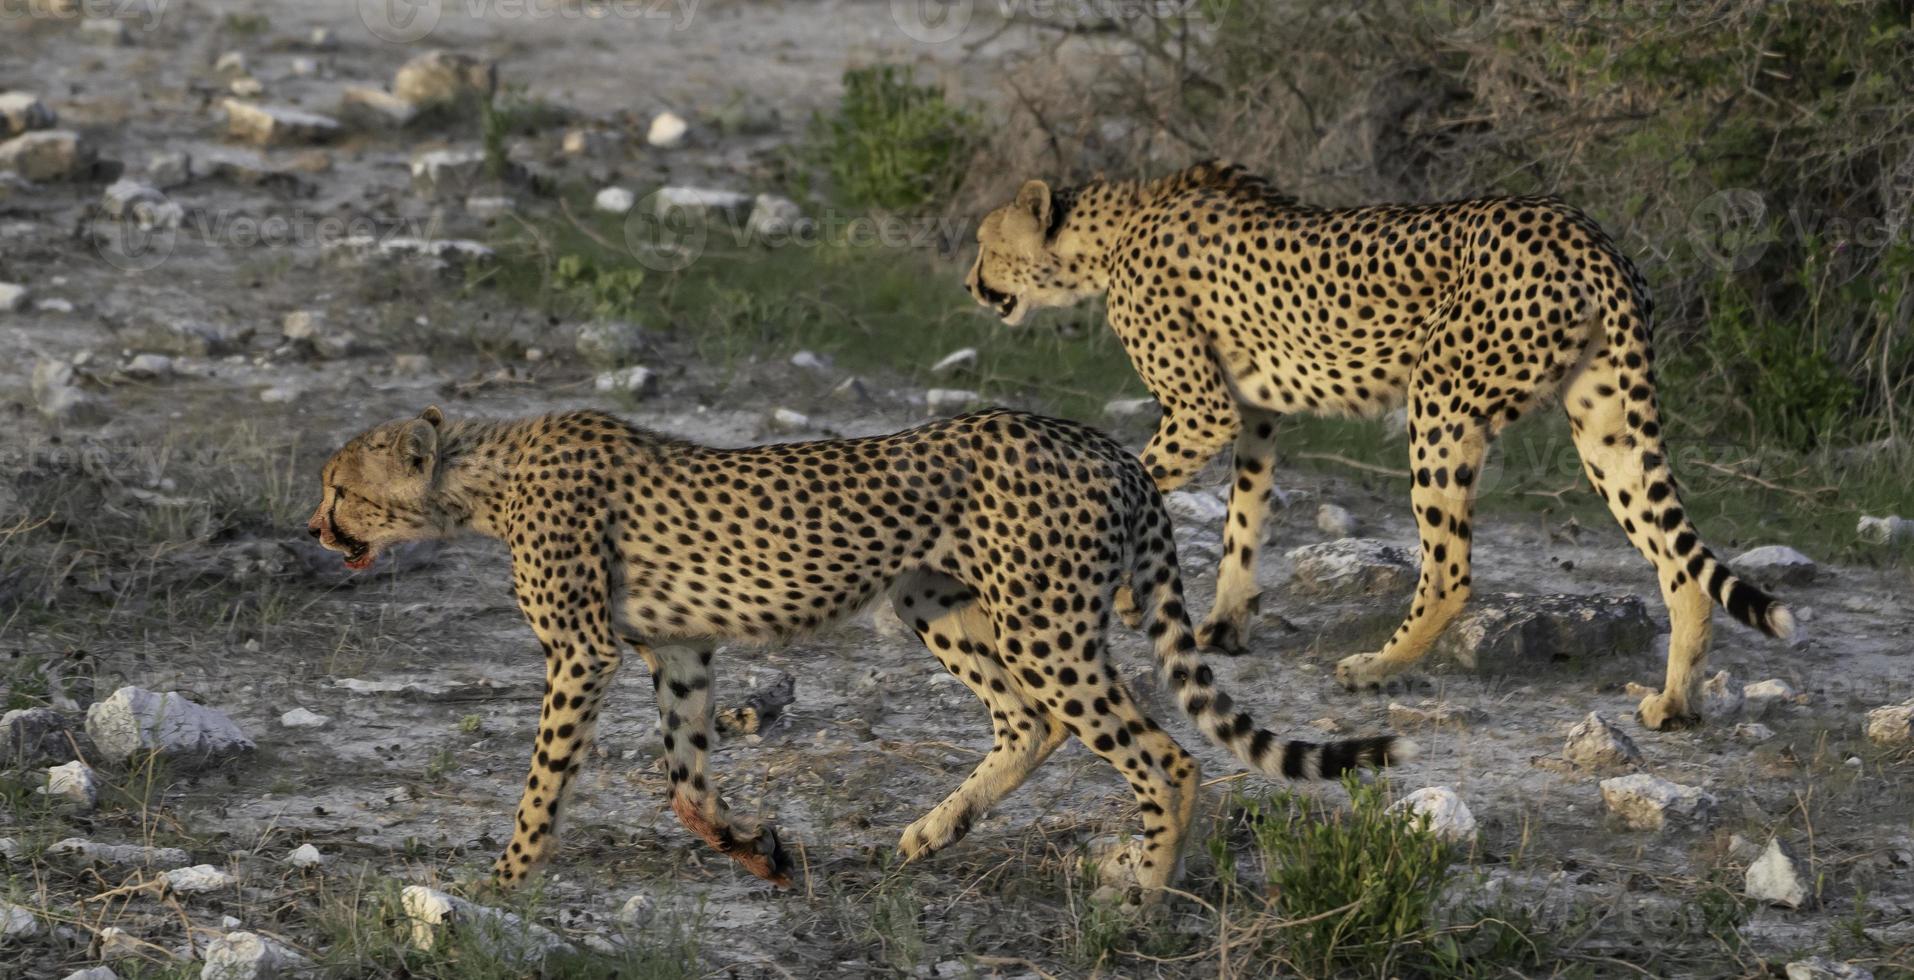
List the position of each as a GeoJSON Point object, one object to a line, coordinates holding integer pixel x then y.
{"type": "Point", "coordinates": [431, 680]}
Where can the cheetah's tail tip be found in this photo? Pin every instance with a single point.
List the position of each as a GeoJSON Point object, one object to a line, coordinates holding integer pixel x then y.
{"type": "Point", "coordinates": [1781, 624]}
{"type": "Point", "coordinates": [1401, 750]}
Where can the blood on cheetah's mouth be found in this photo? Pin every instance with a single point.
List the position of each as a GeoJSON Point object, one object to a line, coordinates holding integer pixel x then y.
{"type": "Point", "coordinates": [359, 555]}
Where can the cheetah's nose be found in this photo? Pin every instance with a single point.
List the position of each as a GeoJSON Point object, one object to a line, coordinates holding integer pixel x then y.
{"type": "Point", "coordinates": [314, 530]}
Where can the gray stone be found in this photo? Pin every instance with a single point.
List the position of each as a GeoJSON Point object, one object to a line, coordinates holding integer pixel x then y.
{"type": "Point", "coordinates": [186, 338]}
{"type": "Point", "coordinates": [1512, 632]}
{"type": "Point", "coordinates": [1752, 733]}
{"type": "Point", "coordinates": [775, 219]}
{"type": "Point", "coordinates": [93, 973]}
{"type": "Point", "coordinates": [1775, 565]}
{"type": "Point", "coordinates": [637, 910]}
{"type": "Point", "coordinates": [1777, 877]}
{"type": "Point", "coordinates": [13, 296]}
{"type": "Point", "coordinates": [489, 207]}
{"type": "Point", "coordinates": [142, 204]}
{"type": "Point", "coordinates": [445, 79]}
{"type": "Point", "coordinates": [810, 361]}
{"type": "Point", "coordinates": [1129, 408]}
{"type": "Point", "coordinates": [47, 154]}
{"type": "Point", "coordinates": [583, 142]}
{"type": "Point", "coordinates": [1721, 696]}
{"type": "Point", "coordinates": [18, 921]}
{"type": "Point", "coordinates": [1645, 802]}
{"type": "Point", "coordinates": [632, 380]}
{"type": "Point", "coordinates": [944, 401]}
{"type": "Point", "coordinates": [610, 343]}
{"type": "Point", "coordinates": [305, 856]}
{"type": "Point", "coordinates": [442, 253]}
{"type": "Point", "coordinates": [788, 421]}
{"type": "Point", "coordinates": [958, 361]}
{"type": "Point", "coordinates": [700, 202]}
{"type": "Point", "coordinates": [134, 721]}
{"type": "Point", "coordinates": [23, 111]}
{"type": "Point", "coordinates": [250, 956]}
{"type": "Point", "coordinates": [1596, 744]}
{"type": "Point", "coordinates": [1352, 568]}
{"type": "Point", "coordinates": [447, 173]}
{"type": "Point", "coordinates": [198, 879]}
{"type": "Point", "coordinates": [1435, 713]}
{"type": "Point", "coordinates": [302, 718]}
{"type": "Point", "coordinates": [667, 130]}
{"type": "Point", "coordinates": [263, 125]}
{"type": "Point", "coordinates": [34, 737]}
{"type": "Point", "coordinates": [169, 168]}
{"type": "Point", "coordinates": [1873, 530]}
{"type": "Point", "coordinates": [1762, 697]}
{"type": "Point", "coordinates": [57, 397]}
{"type": "Point", "coordinates": [1192, 509]}
{"type": "Point", "coordinates": [149, 367]}
{"type": "Point", "coordinates": [1892, 724]}
{"type": "Point", "coordinates": [132, 855]}
{"type": "Point", "coordinates": [1822, 968]}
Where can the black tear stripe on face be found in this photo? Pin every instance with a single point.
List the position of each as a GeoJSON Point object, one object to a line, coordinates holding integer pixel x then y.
{"type": "Point", "coordinates": [991, 296]}
{"type": "Point", "coordinates": [354, 546]}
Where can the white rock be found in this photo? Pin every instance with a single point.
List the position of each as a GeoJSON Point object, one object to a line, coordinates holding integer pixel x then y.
{"type": "Point", "coordinates": [198, 879]}
{"type": "Point", "coordinates": [246, 87]}
{"type": "Point", "coordinates": [958, 360]}
{"type": "Point", "coordinates": [501, 933]}
{"type": "Point", "coordinates": [305, 856]}
{"type": "Point", "coordinates": [667, 130]}
{"type": "Point", "coordinates": [126, 854]}
{"type": "Point", "coordinates": [74, 782]}
{"type": "Point", "coordinates": [279, 394]}
{"type": "Point", "coordinates": [443, 78]}
{"type": "Point", "coordinates": [1449, 817]}
{"type": "Point", "coordinates": [1721, 696]}
{"type": "Point", "coordinates": [301, 718]}
{"type": "Point", "coordinates": [9, 849]}
{"type": "Point", "coordinates": [129, 200]}
{"type": "Point", "coordinates": [775, 218]}
{"type": "Point", "coordinates": [1188, 507]}
{"type": "Point", "coordinates": [263, 125]}
{"type": "Point", "coordinates": [1763, 696]}
{"type": "Point", "coordinates": [615, 200]}
{"type": "Point", "coordinates": [447, 172]}
{"type": "Point", "coordinates": [12, 297]}
{"type": "Point", "coordinates": [633, 380]}
{"type": "Point", "coordinates": [1335, 521]}
{"type": "Point", "coordinates": [303, 324]}
{"type": "Point", "coordinates": [1822, 968]}
{"type": "Point", "coordinates": [232, 63]}
{"type": "Point", "coordinates": [1776, 877]}
{"type": "Point", "coordinates": [18, 921]}
{"type": "Point", "coordinates": [942, 401]}
{"type": "Point", "coordinates": [809, 361]}
{"type": "Point", "coordinates": [55, 394]}
{"type": "Point", "coordinates": [1874, 530]}
{"type": "Point", "coordinates": [637, 910]}
{"type": "Point", "coordinates": [1892, 724]}
{"type": "Point", "coordinates": [786, 420]}
{"type": "Point", "coordinates": [489, 207]}
{"type": "Point", "coordinates": [93, 973]}
{"type": "Point", "coordinates": [1645, 802]}
{"type": "Point", "coordinates": [376, 108]}
{"type": "Point", "coordinates": [699, 202]}
{"type": "Point", "coordinates": [250, 956]}
{"type": "Point", "coordinates": [1595, 743]}
{"type": "Point", "coordinates": [169, 168]}
{"type": "Point", "coordinates": [148, 367]}
{"type": "Point", "coordinates": [118, 944]}
{"type": "Point", "coordinates": [54, 306]}
{"type": "Point", "coordinates": [1129, 408]}
{"type": "Point", "coordinates": [106, 30]}
{"type": "Point", "coordinates": [610, 342]}
{"type": "Point", "coordinates": [303, 67]}
{"type": "Point", "coordinates": [23, 111]}
{"type": "Point", "coordinates": [446, 252]}
{"type": "Point", "coordinates": [590, 142]}
{"type": "Point", "coordinates": [134, 720]}
{"type": "Point", "coordinates": [46, 154]}
{"type": "Point", "coordinates": [1752, 733]}
{"type": "Point", "coordinates": [1775, 564]}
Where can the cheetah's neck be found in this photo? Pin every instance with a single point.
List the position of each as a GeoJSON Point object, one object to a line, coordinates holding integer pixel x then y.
{"type": "Point", "coordinates": [473, 482]}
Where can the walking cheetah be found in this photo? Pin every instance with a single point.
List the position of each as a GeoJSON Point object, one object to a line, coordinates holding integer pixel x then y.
{"type": "Point", "coordinates": [1238, 305]}
{"type": "Point", "coordinates": [999, 536]}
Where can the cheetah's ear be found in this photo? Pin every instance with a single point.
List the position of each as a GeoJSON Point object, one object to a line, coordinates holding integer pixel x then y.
{"type": "Point", "coordinates": [417, 444]}
{"type": "Point", "coordinates": [1035, 198]}
{"type": "Point", "coordinates": [433, 415]}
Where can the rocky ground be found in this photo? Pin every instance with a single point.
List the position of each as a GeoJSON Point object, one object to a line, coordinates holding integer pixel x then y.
{"type": "Point", "coordinates": [204, 296]}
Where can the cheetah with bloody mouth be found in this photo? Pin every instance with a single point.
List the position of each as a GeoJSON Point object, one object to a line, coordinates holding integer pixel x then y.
{"type": "Point", "coordinates": [999, 537]}
{"type": "Point", "coordinates": [1238, 305]}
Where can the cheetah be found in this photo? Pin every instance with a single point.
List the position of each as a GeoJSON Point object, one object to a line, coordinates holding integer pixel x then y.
{"type": "Point", "coordinates": [1238, 305]}
{"type": "Point", "coordinates": [998, 536]}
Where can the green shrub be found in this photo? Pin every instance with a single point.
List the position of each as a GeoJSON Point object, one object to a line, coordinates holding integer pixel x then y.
{"type": "Point", "coordinates": [892, 144]}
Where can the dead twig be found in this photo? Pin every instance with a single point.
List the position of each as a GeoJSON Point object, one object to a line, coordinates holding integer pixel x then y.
{"type": "Point", "coordinates": [1354, 464]}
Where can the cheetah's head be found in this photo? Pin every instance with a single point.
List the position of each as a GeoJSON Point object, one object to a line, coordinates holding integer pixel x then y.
{"type": "Point", "coordinates": [1025, 261]}
{"type": "Point", "coordinates": [375, 489]}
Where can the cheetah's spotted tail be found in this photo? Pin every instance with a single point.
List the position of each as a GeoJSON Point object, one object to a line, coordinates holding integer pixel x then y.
{"type": "Point", "coordinates": [1745, 602]}
{"type": "Point", "coordinates": [1158, 585]}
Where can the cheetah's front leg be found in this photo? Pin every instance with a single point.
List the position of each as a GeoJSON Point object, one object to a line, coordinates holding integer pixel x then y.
{"type": "Point", "coordinates": [579, 666]}
{"type": "Point", "coordinates": [1227, 628]}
